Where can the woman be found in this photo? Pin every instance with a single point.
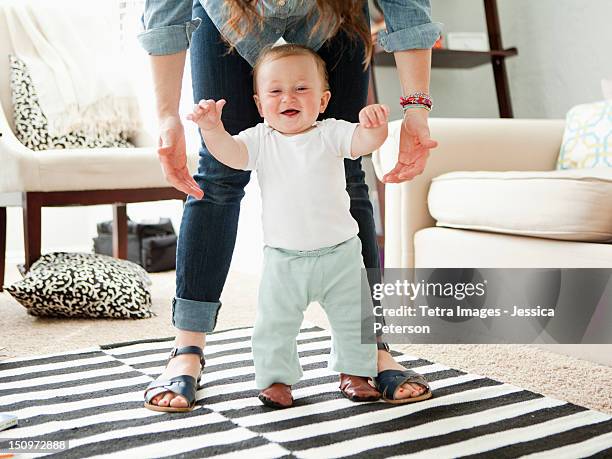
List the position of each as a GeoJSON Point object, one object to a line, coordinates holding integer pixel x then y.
{"type": "Point", "coordinates": [338, 31]}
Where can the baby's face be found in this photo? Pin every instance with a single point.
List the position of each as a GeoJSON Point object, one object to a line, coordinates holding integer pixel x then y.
{"type": "Point", "coordinates": [290, 93]}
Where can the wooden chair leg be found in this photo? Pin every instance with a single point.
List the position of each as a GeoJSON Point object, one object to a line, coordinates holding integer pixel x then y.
{"type": "Point", "coordinates": [31, 228]}
{"type": "Point", "coordinates": [120, 242]}
{"type": "Point", "coordinates": [2, 245]}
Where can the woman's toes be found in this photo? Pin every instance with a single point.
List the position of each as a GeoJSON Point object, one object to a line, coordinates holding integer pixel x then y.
{"type": "Point", "coordinates": [166, 400]}
{"type": "Point", "coordinates": [178, 402]}
{"type": "Point", "coordinates": [169, 399]}
{"type": "Point", "coordinates": [409, 390]}
{"type": "Point", "coordinates": [417, 389]}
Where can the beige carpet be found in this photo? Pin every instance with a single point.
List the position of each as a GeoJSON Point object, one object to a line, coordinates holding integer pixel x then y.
{"type": "Point", "coordinates": [577, 381]}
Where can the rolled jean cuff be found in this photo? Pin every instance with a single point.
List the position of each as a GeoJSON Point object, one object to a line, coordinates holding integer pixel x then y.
{"type": "Point", "coordinates": [196, 316]}
{"type": "Point", "coordinates": [365, 371]}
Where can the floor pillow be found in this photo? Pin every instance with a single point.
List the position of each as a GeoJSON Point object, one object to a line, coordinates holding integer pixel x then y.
{"type": "Point", "coordinates": [64, 284]}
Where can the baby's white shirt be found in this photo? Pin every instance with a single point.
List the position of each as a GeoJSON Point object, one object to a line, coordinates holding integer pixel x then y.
{"type": "Point", "coordinates": [303, 187]}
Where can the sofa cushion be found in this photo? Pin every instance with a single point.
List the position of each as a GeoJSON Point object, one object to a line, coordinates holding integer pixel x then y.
{"type": "Point", "coordinates": [456, 248]}
{"type": "Point", "coordinates": [84, 285]}
{"type": "Point", "coordinates": [587, 140]}
{"type": "Point", "coordinates": [573, 205]}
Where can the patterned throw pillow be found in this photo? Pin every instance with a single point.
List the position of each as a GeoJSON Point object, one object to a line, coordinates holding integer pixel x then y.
{"type": "Point", "coordinates": [587, 140]}
{"type": "Point", "coordinates": [31, 127]}
{"type": "Point", "coordinates": [64, 284]}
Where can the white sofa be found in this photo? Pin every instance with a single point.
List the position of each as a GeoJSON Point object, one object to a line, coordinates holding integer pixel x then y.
{"type": "Point", "coordinates": [498, 219]}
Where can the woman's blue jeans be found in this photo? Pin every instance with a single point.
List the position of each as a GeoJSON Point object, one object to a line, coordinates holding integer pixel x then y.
{"type": "Point", "coordinates": [208, 229]}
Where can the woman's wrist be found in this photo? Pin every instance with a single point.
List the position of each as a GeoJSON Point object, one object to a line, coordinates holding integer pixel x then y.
{"type": "Point", "coordinates": [415, 107]}
{"type": "Point", "coordinates": [415, 112]}
{"type": "Point", "coordinates": [168, 120]}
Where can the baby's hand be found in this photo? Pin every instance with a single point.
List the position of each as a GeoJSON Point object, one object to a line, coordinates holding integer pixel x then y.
{"type": "Point", "coordinates": [374, 116]}
{"type": "Point", "coordinates": [207, 114]}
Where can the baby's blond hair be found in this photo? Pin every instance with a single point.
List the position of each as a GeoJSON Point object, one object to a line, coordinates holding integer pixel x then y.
{"type": "Point", "coordinates": [272, 53]}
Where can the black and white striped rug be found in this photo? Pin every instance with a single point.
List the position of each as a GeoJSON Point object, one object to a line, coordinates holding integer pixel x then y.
{"type": "Point", "coordinates": [92, 398]}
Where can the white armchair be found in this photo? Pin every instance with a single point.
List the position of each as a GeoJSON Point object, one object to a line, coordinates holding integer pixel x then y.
{"type": "Point", "coordinates": [35, 179]}
{"type": "Point", "coordinates": [412, 237]}
{"type": "Point", "coordinates": [579, 208]}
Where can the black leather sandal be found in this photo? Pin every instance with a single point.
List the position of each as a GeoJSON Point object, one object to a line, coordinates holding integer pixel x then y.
{"type": "Point", "coordinates": [184, 385]}
{"type": "Point", "coordinates": [388, 381]}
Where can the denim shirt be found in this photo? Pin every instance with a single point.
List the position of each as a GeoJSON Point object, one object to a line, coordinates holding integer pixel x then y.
{"type": "Point", "coordinates": [168, 26]}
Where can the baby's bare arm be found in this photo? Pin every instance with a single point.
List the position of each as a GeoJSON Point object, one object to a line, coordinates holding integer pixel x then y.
{"type": "Point", "coordinates": [231, 152]}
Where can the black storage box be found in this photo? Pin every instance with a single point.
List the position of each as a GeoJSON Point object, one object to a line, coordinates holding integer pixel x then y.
{"type": "Point", "coordinates": [151, 245]}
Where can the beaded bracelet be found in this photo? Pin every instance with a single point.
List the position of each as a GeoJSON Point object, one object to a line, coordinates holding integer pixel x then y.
{"type": "Point", "coordinates": [407, 107]}
{"type": "Point", "coordinates": [417, 100]}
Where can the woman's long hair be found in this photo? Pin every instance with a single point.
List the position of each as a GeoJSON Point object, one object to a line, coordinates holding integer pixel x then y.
{"type": "Point", "coordinates": [349, 14]}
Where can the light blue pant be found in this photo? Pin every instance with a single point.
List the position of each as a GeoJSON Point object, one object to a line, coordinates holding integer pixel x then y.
{"type": "Point", "coordinates": [293, 279]}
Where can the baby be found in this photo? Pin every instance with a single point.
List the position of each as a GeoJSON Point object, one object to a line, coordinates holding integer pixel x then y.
{"type": "Point", "coordinates": [312, 252]}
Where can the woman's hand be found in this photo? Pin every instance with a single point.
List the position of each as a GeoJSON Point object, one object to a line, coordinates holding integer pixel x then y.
{"type": "Point", "coordinates": [415, 143]}
{"type": "Point", "coordinates": [173, 157]}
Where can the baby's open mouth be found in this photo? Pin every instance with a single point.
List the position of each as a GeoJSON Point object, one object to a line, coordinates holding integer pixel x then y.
{"type": "Point", "coordinates": [290, 112]}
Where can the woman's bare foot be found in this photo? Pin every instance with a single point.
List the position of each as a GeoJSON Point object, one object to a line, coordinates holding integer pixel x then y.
{"type": "Point", "coordinates": [407, 390]}
{"type": "Point", "coordinates": [184, 364]}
